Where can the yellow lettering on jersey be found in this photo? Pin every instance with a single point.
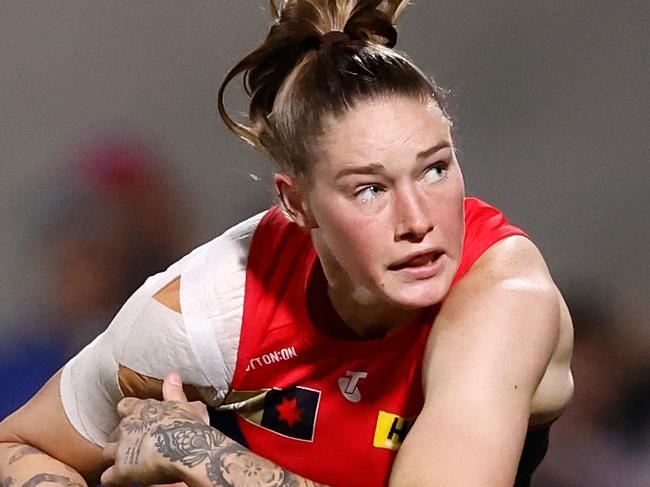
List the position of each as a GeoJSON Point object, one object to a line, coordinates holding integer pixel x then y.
{"type": "Point", "coordinates": [391, 430]}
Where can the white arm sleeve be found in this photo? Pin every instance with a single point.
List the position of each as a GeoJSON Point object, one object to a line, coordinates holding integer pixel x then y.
{"type": "Point", "coordinates": [153, 340]}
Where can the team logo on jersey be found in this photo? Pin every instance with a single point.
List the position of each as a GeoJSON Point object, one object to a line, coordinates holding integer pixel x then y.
{"type": "Point", "coordinates": [348, 385]}
{"type": "Point", "coordinates": [391, 430]}
{"type": "Point", "coordinates": [291, 412]}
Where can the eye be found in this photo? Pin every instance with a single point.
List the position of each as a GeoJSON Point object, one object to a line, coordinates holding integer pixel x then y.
{"type": "Point", "coordinates": [368, 193]}
{"type": "Point", "coordinates": [435, 172]}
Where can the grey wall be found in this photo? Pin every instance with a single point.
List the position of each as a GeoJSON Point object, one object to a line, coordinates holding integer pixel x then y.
{"type": "Point", "coordinates": [549, 100]}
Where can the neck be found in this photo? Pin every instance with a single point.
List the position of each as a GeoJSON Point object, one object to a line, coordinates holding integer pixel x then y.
{"type": "Point", "coordinates": [361, 315]}
{"type": "Point", "coordinates": [366, 317]}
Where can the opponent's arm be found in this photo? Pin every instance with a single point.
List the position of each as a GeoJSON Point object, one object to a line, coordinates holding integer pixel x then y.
{"type": "Point", "coordinates": [170, 441]}
{"type": "Point", "coordinates": [490, 345]}
{"type": "Point", "coordinates": [20, 459]}
{"type": "Point", "coordinates": [39, 445]}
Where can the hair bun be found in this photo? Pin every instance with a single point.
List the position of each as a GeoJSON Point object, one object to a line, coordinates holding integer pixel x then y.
{"type": "Point", "coordinates": [369, 24]}
{"type": "Point", "coordinates": [333, 37]}
{"type": "Point", "coordinates": [363, 20]}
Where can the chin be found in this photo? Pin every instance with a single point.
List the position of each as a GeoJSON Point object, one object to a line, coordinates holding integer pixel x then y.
{"type": "Point", "coordinates": [419, 295]}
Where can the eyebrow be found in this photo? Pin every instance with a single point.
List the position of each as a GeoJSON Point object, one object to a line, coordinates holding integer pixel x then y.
{"type": "Point", "coordinates": [375, 168]}
{"type": "Point", "coordinates": [432, 150]}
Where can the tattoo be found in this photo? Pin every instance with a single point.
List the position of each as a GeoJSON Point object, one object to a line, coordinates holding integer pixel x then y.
{"type": "Point", "coordinates": [187, 442]}
{"type": "Point", "coordinates": [50, 477]}
{"type": "Point", "coordinates": [133, 452]}
{"type": "Point", "coordinates": [23, 451]}
{"type": "Point", "coordinates": [151, 413]}
{"type": "Point", "coordinates": [192, 444]}
{"type": "Point", "coordinates": [239, 467]}
{"type": "Point", "coordinates": [236, 467]}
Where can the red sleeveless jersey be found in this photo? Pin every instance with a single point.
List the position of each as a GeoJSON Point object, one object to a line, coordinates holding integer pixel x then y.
{"type": "Point", "coordinates": [331, 410]}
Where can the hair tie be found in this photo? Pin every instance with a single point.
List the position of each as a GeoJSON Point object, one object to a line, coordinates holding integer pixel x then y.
{"type": "Point", "coordinates": [333, 37]}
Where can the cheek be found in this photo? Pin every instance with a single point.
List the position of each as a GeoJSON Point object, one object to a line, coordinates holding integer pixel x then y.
{"type": "Point", "coordinates": [354, 240]}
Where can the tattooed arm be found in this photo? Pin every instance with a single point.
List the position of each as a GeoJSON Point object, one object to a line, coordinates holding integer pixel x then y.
{"type": "Point", "coordinates": [38, 445]}
{"type": "Point", "coordinates": [18, 468]}
{"type": "Point", "coordinates": [169, 441]}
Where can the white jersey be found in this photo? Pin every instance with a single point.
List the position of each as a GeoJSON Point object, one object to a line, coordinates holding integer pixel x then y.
{"type": "Point", "coordinates": [152, 340]}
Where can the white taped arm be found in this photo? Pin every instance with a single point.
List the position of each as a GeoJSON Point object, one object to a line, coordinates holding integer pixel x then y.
{"type": "Point", "coordinates": [153, 340]}
{"type": "Point", "coordinates": [145, 337]}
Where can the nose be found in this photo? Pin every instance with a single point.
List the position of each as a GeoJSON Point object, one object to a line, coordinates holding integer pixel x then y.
{"type": "Point", "coordinates": [413, 217]}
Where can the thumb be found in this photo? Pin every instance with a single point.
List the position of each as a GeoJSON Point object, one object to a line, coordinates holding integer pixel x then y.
{"type": "Point", "coordinates": [172, 388]}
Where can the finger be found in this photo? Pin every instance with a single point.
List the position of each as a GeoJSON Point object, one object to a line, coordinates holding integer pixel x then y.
{"type": "Point", "coordinates": [110, 478]}
{"type": "Point", "coordinates": [110, 451]}
{"type": "Point", "coordinates": [127, 406]}
{"type": "Point", "coordinates": [201, 411]}
{"type": "Point", "coordinates": [115, 434]}
{"type": "Point", "coordinates": [205, 416]}
{"type": "Point", "coordinates": [173, 388]}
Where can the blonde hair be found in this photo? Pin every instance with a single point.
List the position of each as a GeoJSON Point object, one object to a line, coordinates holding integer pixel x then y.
{"type": "Point", "coordinates": [294, 79]}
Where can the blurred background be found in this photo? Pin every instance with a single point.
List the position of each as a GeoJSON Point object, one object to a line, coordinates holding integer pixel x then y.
{"type": "Point", "coordinates": [114, 164]}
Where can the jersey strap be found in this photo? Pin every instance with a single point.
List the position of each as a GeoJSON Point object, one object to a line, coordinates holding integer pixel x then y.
{"type": "Point", "coordinates": [484, 226]}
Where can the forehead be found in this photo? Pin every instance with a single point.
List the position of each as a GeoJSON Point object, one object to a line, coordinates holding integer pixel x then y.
{"type": "Point", "coordinates": [378, 129]}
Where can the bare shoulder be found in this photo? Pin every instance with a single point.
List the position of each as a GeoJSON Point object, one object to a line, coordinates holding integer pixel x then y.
{"type": "Point", "coordinates": [490, 347]}
{"type": "Point", "coordinates": [505, 310]}
{"type": "Point", "coordinates": [510, 290]}
{"type": "Point", "coordinates": [510, 275]}
{"type": "Point", "coordinates": [515, 257]}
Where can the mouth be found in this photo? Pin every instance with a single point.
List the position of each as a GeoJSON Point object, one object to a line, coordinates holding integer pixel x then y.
{"type": "Point", "coordinates": [417, 260]}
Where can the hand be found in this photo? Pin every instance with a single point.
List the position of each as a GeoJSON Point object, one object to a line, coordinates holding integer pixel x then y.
{"type": "Point", "coordinates": [136, 451]}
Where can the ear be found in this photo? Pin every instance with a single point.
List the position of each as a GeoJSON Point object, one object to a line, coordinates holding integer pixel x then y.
{"type": "Point", "coordinates": [293, 200]}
